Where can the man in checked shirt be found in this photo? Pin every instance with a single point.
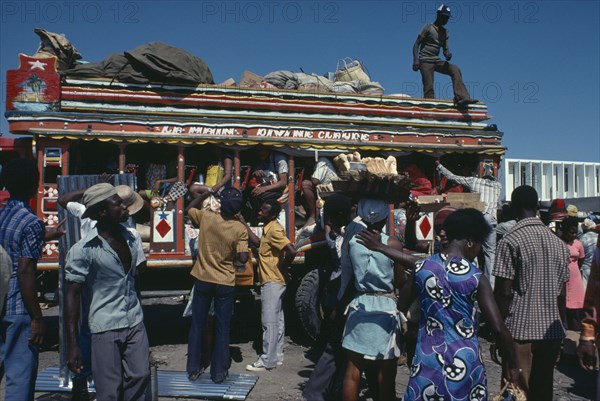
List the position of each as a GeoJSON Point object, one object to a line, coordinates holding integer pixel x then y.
{"type": "Point", "coordinates": [531, 269]}
{"type": "Point", "coordinates": [489, 190]}
{"type": "Point", "coordinates": [22, 327]}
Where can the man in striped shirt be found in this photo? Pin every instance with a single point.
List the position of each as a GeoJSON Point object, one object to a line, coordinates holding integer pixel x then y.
{"type": "Point", "coordinates": [22, 326]}
{"type": "Point", "coordinates": [489, 190]}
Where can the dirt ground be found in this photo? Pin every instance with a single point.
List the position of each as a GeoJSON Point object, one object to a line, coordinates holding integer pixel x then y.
{"type": "Point", "coordinates": [168, 331]}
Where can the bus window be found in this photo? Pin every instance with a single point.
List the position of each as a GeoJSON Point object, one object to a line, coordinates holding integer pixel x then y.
{"type": "Point", "coordinates": [50, 174]}
{"type": "Point", "coordinates": [93, 157]}
{"type": "Point", "coordinates": [208, 166]}
{"type": "Point", "coordinates": [155, 162]}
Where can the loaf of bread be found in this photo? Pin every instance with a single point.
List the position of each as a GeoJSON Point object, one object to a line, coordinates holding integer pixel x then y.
{"type": "Point", "coordinates": [391, 165]}
{"type": "Point", "coordinates": [341, 163]}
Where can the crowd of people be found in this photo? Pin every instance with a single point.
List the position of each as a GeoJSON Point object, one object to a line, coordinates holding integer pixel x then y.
{"type": "Point", "coordinates": [389, 303]}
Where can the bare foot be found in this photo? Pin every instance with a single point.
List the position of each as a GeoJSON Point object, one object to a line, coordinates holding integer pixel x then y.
{"type": "Point", "coordinates": [310, 222]}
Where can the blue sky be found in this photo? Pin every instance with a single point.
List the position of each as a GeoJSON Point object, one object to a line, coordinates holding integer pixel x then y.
{"type": "Point", "coordinates": [536, 64]}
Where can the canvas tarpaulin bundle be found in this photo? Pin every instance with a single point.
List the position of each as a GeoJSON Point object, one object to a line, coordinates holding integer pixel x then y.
{"type": "Point", "coordinates": [55, 44]}
{"type": "Point", "coordinates": [152, 62]}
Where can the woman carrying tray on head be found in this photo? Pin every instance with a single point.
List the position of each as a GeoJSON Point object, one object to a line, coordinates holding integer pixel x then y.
{"type": "Point", "coordinates": [372, 326]}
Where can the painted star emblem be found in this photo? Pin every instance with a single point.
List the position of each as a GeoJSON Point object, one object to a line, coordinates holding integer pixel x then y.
{"type": "Point", "coordinates": [37, 64]}
{"type": "Point", "coordinates": [163, 215]}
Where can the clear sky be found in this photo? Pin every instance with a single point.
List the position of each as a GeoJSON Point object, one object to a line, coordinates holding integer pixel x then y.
{"type": "Point", "coordinates": [536, 64]}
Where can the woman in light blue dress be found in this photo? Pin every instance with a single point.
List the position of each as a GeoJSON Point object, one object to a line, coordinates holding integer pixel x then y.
{"type": "Point", "coordinates": [372, 324]}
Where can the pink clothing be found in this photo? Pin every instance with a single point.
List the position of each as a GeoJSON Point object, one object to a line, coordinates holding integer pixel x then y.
{"type": "Point", "coordinates": [575, 289]}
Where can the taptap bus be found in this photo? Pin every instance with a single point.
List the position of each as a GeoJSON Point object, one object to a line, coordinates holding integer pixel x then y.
{"type": "Point", "coordinates": [88, 126]}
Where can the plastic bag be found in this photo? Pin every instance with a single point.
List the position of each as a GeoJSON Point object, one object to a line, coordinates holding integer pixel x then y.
{"type": "Point", "coordinates": [214, 175]}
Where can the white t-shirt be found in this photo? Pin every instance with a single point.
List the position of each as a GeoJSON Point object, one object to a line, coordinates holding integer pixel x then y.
{"type": "Point", "coordinates": [77, 209]}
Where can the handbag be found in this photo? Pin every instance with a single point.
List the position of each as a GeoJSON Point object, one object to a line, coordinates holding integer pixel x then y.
{"type": "Point", "coordinates": [351, 70]}
{"type": "Point", "coordinates": [176, 191]}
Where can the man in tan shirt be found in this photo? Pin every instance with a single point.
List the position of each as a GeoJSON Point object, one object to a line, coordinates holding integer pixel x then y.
{"type": "Point", "coordinates": [223, 248]}
{"type": "Point", "coordinates": [275, 255]}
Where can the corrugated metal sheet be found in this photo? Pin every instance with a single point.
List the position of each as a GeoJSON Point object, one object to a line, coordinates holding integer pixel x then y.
{"type": "Point", "coordinates": [171, 384]}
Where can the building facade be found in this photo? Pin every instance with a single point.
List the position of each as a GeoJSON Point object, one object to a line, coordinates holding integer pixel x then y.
{"type": "Point", "coordinates": [551, 179]}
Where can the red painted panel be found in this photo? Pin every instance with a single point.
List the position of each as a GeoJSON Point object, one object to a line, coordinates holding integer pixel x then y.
{"type": "Point", "coordinates": [35, 86]}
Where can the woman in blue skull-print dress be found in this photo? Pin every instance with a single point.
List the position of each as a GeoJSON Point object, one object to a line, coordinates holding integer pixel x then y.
{"type": "Point", "coordinates": [447, 364]}
{"type": "Point", "coordinates": [447, 361]}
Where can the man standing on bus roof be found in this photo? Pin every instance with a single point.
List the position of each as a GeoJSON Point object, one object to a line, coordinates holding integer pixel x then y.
{"type": "Point", "coordinates": [103, 264]}
{"type": "Point", "coordinates": [426, 58]}
{"type": "Point", "coordinates": [22, 326]}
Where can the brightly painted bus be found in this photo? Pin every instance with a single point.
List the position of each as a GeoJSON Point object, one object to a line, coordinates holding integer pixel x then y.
{"type": "Point", "coordinates": [95, 125]}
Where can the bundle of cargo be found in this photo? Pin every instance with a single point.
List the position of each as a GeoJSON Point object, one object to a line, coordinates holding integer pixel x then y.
{"type": "Point", "coordinates": [371, 177]}
{"type": "Point", "coordinates": [314, 83]}
{"type": "Point", "coordinates": [375, 165]}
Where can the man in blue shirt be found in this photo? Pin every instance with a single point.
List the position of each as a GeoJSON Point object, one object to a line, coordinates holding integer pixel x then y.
{"type": "Point", "coordinates": [103, 264]}
{"type": "Point", "coordinates": [22, 326]}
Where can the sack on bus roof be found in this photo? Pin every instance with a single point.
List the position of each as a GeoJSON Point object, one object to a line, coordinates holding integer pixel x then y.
{"type": "Point", "coordinates": [313, 82]}
{"type": "Point", "coordinates": [345, 87]}
{"type": "Point", "coordinates": [371, 88]}
{"type": "Point", "coordinates": [282, 79]}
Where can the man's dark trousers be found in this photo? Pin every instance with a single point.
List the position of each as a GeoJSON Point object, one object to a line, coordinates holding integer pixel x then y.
{"type": "Point", "coordinates": [121, 363]}
{"type": "Point", "coordinates": [224, 297]}
{"type": "Point", "coordinates": [443, 67]}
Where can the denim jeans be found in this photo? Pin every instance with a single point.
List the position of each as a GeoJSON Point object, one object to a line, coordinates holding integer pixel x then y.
{"type": "Point", "coordinates": [224, 297]}
{"type": "Point", "coordinates": [273, 323]}
{"type": "Point", "coordinates": [488, 249]}
{"type": "Point", "coordinates": [19, 358]}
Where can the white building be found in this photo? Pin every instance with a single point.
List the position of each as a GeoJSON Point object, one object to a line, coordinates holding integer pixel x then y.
{"type": "Point", "coordinates": [551, 179]}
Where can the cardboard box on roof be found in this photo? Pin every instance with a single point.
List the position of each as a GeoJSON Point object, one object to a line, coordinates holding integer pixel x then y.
{"type": "Point", "coordinates": [250, 80]}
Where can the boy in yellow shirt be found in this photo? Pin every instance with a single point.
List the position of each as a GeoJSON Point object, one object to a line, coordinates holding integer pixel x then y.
{"type": "Point", "coordinates": [275, 255]}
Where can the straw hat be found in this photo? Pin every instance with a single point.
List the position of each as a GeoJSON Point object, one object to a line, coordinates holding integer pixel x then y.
{"type": "Point", "coordinates": [131, 199]}
{"type": "Point", "coordinates": [96, 194]}
{"type": "Point", "coordinates": [572, 210]}
{"type": "Point", "coordinates": [588, 225]}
